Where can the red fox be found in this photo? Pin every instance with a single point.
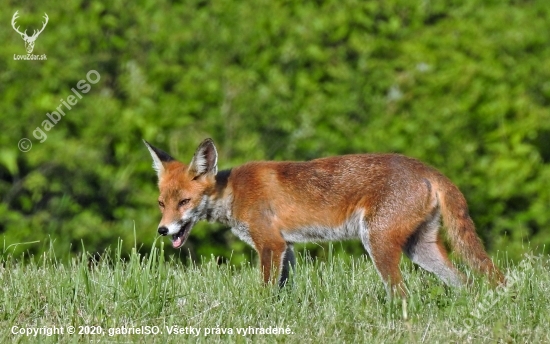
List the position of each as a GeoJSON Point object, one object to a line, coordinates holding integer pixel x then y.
{"type": "Point", "coordinates": [392, 203]}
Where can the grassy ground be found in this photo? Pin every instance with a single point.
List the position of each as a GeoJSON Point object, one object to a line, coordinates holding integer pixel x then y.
{"type": "Point", "coordinates": [332, 301]}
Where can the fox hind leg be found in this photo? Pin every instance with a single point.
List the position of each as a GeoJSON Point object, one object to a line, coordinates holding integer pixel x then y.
{"type": "Point", "coordinates": [425, 248]}
{"type": "Point", "coordinates": [385, 255]}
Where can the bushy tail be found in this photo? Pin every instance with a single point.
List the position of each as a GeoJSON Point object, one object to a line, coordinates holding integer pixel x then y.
{"type": "Point", "coordinates": [461, 231]}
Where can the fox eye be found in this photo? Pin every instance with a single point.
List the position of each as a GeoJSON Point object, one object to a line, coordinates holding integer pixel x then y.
{"type": "Point", "coordinates": [183, 202]}
{"type": "Point", "coordinates": [161, 204]}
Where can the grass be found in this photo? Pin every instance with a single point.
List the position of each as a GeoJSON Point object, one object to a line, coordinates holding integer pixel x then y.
{"type": "Point", "coordinates": [332, 301]}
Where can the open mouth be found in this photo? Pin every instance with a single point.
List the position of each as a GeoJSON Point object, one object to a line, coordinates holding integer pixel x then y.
{"type": "Point", "coordinates": [179, 238]}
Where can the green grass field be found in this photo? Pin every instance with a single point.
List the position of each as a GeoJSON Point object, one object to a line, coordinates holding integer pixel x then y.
{"type": "Point", "coordinates": [337, 300]}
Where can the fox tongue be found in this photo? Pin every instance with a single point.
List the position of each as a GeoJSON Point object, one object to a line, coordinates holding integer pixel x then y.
{"type": "Point", "coordinates": [179, 238]}
{"type": "Point", "coordinates": [177, 242]}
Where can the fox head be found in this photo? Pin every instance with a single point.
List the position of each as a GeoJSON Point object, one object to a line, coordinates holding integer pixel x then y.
{"type": "Point", "coordinates": [184, 189]}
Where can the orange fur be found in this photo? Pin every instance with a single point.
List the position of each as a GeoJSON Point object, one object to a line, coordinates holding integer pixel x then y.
{"type": "Point", "coordinates": [391, 202]}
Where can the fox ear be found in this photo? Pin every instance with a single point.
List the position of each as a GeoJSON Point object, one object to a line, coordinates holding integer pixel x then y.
{"type": "Point", "coordinates": [205, 160]}
{"type": "Point", "coordinates": [159, 158]}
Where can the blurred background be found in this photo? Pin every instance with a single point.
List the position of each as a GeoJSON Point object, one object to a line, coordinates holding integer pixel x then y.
{"type": "Point", "coordinates": [461, 85]}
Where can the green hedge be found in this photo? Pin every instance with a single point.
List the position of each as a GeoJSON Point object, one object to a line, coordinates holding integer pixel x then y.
{"type": "Point", "coordinates": [461, 85]}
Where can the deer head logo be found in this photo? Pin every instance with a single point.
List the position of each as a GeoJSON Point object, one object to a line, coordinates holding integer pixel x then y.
{"type": "Point", "coordinates": [29, 41]}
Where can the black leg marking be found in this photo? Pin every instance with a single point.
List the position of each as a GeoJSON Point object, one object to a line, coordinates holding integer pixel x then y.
{"type": "Point", "coordinates": [289, 262]}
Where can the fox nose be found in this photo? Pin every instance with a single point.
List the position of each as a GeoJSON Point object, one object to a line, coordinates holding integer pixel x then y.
{"type": "Point", "coordinates": [163, 230]}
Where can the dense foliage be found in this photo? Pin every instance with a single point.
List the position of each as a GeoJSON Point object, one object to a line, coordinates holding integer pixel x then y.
{"type": "Point", "coordinates": [462, 85]}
